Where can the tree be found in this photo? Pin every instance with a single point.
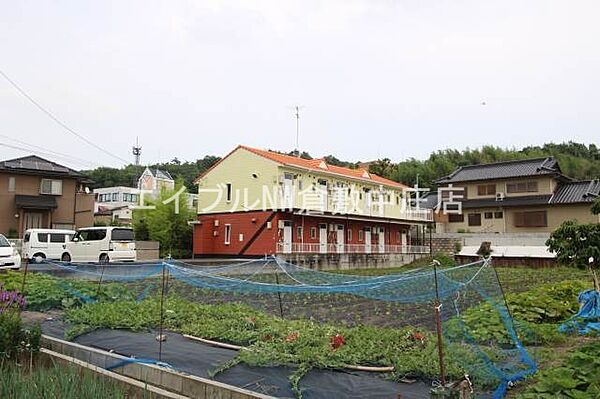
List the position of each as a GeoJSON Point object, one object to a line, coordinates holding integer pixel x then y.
{"type": "Point", "coordinates": [165, 225]}
{"type": "Point", "coordinates": [578, 245]}
{"type": "Point", "coordinates": [596, 207]}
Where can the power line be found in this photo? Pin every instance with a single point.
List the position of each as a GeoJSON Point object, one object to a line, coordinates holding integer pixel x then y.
{"type": "Point", "coordinates": [15, 147]}
{"type": "Point", "coordinates": [58, 121]}
{"type": "Point", "coordinates": [54, 153]}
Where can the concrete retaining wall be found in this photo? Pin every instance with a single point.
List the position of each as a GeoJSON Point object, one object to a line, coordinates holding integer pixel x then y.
{"type": "Point", "coordinates": [447, 243]}
{"type": "Point", "coordinates": [133, 388]}
{"type": "Point", "coordinates": [173, 381]}
{"type": "Point", "coordinates": [350, 261]}
{"type": "Point", "coordinates": [147, 250]}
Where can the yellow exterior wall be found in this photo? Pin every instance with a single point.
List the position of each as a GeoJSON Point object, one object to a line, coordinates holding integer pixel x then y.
{"type": "Point", "coordinates": [265, 191]}
{"type": "Point", "coordinates": [556, 214]}
{"type": "Point", "coordinates": [238, 169]}
{"type": "Point", "coordinates": [546, 186]}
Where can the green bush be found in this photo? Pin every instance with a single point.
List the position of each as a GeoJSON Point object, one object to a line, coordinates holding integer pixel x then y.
{"type": "Point", "coordinates": [16, 340]}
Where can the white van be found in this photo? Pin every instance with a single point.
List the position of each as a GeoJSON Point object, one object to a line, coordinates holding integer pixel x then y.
{"type": "Point", "coordinates": [100, 244]}
{"type": "Point", "coordinates": [41, 244]}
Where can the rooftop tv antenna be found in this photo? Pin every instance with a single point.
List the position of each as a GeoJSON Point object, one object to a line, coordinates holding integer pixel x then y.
{"type": "Point", "coordinates": [137, 151]}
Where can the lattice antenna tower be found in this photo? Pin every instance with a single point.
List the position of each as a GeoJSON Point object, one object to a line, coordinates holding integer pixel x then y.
{"type": "Point", "coordinates": [136, 151]}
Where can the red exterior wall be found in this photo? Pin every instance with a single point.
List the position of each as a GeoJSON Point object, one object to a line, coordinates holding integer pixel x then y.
{"type": "Point", "coordinates": [252, 226]}
{"type": "Point", "coordinates": [246, 223]}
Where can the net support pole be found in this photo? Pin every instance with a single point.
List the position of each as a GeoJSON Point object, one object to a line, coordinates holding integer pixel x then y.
{"type": "Point", "coordinates": [278, 291]}
{"type": "Point", "coordinates": [100, 281]}
{"type": "Point", "coordinates": [163, 292]}
{"type": "Point", "coordinates": [24, 276]}
{"type": "Point", "coordinates": [438, 326]}
{"type": "Point", "coordinates": [279, 294]}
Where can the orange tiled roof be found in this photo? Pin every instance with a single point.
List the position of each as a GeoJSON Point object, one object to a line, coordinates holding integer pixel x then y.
{"type": "Point", "coordinates": [319, 165]}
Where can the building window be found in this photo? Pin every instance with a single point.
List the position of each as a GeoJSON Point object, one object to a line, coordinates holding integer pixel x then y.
{"type": "Point", "coordinates": [486, 189]}
{"type": "Point", "coordinates": [12, 184]}
{"type": "Point", "coordinates": [228, 198]}
{"type": "Point", "coordinates": [227, 234]}
{"type": "Point", "coordinates": [498, 215]}
{"type": "Point", "coordinates": [313, 233]}
{"type": "Point", "coordinates": [299, 232]}
{"type": "Point", "coordinates": [522, 187]}
{"type": "Point", "coordinates": [456, 218]}
{"type": "Point", "coordinates": [531, 219]}
{"type": "Point", "coordinates": [51, 187]}
{"type": "Point", "coordinates": [488, 215]}
{"type": "Point", "coordinates": [115, 197]}
{"type": "Point", "coordinates": [360, 235]}
{"type": "Point", "coordinates": [349, 234]}
{"type": "Point", "coordinates": [474, 219]}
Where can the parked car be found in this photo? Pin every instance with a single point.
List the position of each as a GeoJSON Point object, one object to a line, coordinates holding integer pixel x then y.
{"type": "Point", "coordinates": [41, 244]}
{"type": "Point", "coordinates": [9, 256]}
{"type": "Point", "coordinates": [101, 244]}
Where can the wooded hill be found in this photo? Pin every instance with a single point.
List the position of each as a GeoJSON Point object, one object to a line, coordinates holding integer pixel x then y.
{"type": "Point", "coordinates": [577, 160]}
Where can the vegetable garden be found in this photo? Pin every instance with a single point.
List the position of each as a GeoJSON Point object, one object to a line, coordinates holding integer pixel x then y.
{"type": "Point", "coordinates": [278, 315]}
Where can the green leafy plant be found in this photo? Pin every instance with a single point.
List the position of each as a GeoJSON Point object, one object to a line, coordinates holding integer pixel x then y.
{"type": "Point", "coordinates": [577, 377]}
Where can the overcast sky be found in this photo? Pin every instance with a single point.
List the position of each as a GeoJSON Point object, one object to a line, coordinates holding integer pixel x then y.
{"type": "Point", "coordinates": [377, 78]}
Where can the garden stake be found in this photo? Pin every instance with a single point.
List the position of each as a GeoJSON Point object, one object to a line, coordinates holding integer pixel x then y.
{"type": "Point", "coordinates": [24, 276]}
{"type": "Point", "coordinates": [279, 293]}
{"type": "Point", "coordinates": [438, 325]}
{"type": "Point", "coordinates": [162, 311]}
{"type": "Point", "coordinates": [100, 281]}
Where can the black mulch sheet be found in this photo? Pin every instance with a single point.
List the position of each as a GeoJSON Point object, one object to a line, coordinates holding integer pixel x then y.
{"type": "Point", "coordinates": [199, 359]}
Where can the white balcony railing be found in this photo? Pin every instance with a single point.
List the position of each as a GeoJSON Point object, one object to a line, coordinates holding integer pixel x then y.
{"type": "Point", "coordinates": [329, 248]}
{"type": "Point", "coordinates": [417, 214]}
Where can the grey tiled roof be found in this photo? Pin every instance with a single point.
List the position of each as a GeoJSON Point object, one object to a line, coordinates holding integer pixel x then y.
{"type": "Point", "coordinates": [576, 192]}
{"type": "Point", "coordinates": [33, 164]}
{"type": "Point", "coordinates": [502, 170]}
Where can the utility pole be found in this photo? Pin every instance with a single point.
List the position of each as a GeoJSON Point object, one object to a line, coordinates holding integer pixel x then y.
{"type": "Point", "coordinates": [137, 151]}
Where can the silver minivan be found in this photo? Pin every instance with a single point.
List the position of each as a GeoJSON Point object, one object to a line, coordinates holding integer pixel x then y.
{"type": "Point", "coordinates": [101, 244]}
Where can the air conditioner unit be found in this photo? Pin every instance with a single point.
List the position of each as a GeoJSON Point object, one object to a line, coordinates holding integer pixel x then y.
{"type": "Point", "coordinates": [216, 222]}
{"type": "Point", "coordinates": [281, 224]}
{"type": "Point", "coordinates": [499, 196]}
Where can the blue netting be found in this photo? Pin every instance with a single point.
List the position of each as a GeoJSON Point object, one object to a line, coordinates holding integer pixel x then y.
{"type": "Point", "coordinates": [462, 291]}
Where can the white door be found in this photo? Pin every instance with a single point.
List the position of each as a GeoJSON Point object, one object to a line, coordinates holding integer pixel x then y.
{"type": "Point", "coordinates": [287, 237]}
{"type": "Point", "coordinates": [368, 241]}
{"type": "Point", "coordinates": [340, 238]}
{"type": "Point", "coordinates": [323, 238]}
{"type": "Point", "coordinates": [323, 194]}
{"type": "Point", "coordinates": [381, 240]}
{"type": "Point", "coordinates": [404, 242]}
{"type": "Point", "coordinates": [288, 191]}
{"type": "Point", "coordinates": [368, 203]}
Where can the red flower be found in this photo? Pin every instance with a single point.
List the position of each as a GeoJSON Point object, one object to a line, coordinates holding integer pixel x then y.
{"type": "Point", "coordinates": [292, 337]}
{"type": "Point", "coordinates": [417, 336]}
{"type": "Point", "coordinates": [337, 340]}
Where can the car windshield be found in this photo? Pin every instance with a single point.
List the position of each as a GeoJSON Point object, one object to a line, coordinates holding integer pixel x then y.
{"type": "Point", "coordinates": [4, 242]}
